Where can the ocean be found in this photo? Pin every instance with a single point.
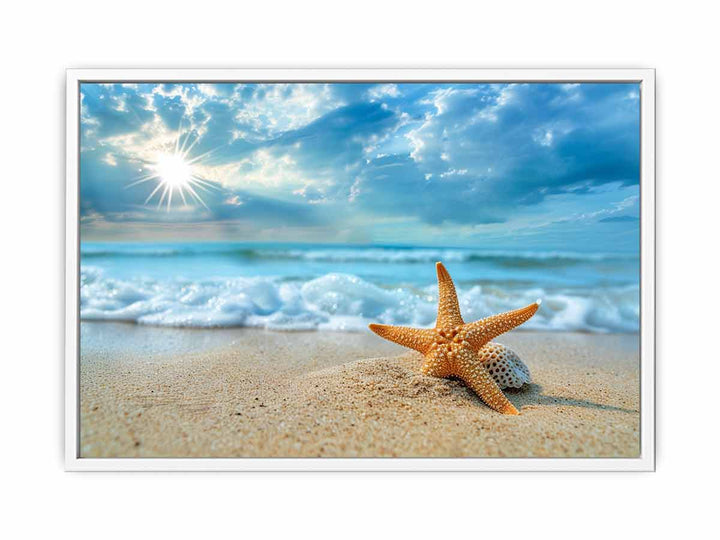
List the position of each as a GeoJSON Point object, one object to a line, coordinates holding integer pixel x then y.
{"type": "Point", "coordinates": [344, 288]}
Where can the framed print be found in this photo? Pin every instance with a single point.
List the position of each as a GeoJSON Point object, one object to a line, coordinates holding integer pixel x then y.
{"type": "Point", "coordinates": [380, 269]}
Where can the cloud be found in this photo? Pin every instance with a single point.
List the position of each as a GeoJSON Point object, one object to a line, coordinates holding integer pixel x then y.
{"type": "Point", "coordinates": [383, 91]}
{"type": "Point", "coordinates": [395, 185]}
{"type": "Point", "coordinates": [620, 219]}
{"type": "Point", "coordinates": [462, 156]}
{"type": "Point", "coordinates": [267, 110]}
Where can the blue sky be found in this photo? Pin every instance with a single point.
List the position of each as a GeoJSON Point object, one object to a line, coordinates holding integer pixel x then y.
{"type": "Point", "coordinates": [512, 166]}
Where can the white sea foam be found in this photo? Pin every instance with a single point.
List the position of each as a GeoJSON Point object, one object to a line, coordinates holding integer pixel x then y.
{"type": "Point", "coordinates": [338, 302]}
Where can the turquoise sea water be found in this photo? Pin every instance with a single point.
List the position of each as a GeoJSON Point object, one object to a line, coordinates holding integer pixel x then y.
{"type": "Point", "coordinates": [302, 286]}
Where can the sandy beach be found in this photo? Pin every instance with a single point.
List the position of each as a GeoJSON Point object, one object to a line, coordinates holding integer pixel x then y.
{"type": "Point", "coordinates": [160, 392]}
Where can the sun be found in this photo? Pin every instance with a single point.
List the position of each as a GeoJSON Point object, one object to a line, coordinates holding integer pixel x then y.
{"type": "Point", "coordinates": [173, 170]}
{"type": "Point", "coordinates": [174, 173]}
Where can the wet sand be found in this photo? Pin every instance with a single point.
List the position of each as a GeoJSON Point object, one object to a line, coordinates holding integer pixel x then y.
{"type": "Point", "coordinates": [154, 392]}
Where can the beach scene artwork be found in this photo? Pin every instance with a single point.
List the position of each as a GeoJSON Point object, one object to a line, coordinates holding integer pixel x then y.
{"type": "Point", "coordinates": [359, 270]}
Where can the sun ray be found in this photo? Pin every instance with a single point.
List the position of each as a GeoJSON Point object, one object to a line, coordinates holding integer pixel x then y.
{"type": "Point", "coordinates": [144, 178]}
{"type": "Point", "coordinates": [185, 152]}
{"type": "Point", "coordinates": [199, 199]}
{"type": "Point", "coordinates": [162, 198]}
{"type": "Point", "coordinates": [177, 139]}
{"type": "Point", "coordinates": [153, 192]}
{"type": "Point", "coordinates": [202, 180]}
{"type": "Point", "coordinates": [185, 137]}
{"type": "Point", "coordinates": [205, 187]}
{"type": "Point", "coordinates": [202, 156]}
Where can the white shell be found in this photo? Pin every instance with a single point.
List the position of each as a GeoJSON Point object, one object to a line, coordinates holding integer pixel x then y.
{"type": "Point", "coordinates": [504, 365]}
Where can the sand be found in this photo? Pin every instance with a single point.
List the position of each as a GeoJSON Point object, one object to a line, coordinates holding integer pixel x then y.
{"type": "Point", "coordinates": [152, 392]}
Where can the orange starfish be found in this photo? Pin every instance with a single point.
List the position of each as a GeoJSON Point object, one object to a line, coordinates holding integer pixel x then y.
{"type": "Point", "coordinates": [452, 347]}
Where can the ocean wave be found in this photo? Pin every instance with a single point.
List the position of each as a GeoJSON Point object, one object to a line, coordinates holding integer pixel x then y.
{"type": "Point", "coordinates": [354, 254]}
{"type": "Point", "coordinates": [337, 302]}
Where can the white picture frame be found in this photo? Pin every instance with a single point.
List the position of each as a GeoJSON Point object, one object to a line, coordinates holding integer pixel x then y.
{"type": "Point", "coordinates": [646, 459]}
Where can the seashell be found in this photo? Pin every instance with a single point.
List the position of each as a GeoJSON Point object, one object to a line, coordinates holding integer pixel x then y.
{"type": "Point", "coordinates": [504, 365]}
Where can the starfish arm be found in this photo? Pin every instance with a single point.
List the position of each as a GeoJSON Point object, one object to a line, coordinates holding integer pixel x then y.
{"type": "Point", "coordinates": [415, 338]}
{"type": "Point", "coordinates": [471, 370]}
{"type": "Point", "coordinates": [478, 333]}
{"type": "Point", "coordinates": [436, 363]}
{"type": "Point", "coordinates": [448, 307]}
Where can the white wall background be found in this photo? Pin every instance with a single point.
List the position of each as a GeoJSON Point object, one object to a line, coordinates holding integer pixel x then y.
{"type": "Point", "coordinates": [39, 41]}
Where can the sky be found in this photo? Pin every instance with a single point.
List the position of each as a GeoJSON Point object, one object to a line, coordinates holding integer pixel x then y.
{"type": "Point", "coordinates": [532, 166]}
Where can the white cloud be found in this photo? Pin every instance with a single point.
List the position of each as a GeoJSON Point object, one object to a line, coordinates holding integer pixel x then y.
{"type": "Point", "coordinates": [489, 113]}
{"type": "Point", "coordinates": [383, 90]}
{"type": "Point", "coordinates": [626, 202]}
{"type": "Point", "coordinates": [543, 137]}
{"type": "Point", "coordinates": [274, 108]}
{"type": "Point", "coordinates": [452, 172]}
{"type": "Point", "coordinates": [233, 201]}
{"type": "Point", "coordinates": [85, 117]}
{"type": "Point", "coordinates": [110, 160]}
{"type": "Point", "coordinates": [441, 99]}
{"type": "Point", "coordinates": [119, 103]}
{"type": "Point", "coordinates": [429, 141]}
{"type": "Point", "coordinates": [144, 144]}
{"type": "Point", "coordinates": [417, 143]}
{"type": "Point", "coordinates": [264, 171]}
{"type": "Point", "coordinates": [190, 100]}
{"type": "Point", "coordinates": [354, 190]}
{"type": "Point", "coordinates": [208, 89]}
{"type": "Point", "coordinates": [616, 208]}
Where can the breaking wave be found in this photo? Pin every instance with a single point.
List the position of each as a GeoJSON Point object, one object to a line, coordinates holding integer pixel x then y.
{"type": "Point", "coordinates": [337, 301]}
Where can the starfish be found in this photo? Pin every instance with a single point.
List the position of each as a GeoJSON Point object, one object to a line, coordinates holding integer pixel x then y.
{"type": "Point", "coordinates": [452, 348]}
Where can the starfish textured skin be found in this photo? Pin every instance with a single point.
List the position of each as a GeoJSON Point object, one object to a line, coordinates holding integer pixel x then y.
{"type": "Point", "coordinates": [453, 348]}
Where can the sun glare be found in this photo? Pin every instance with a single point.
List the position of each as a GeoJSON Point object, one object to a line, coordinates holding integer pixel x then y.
{"type": "Point", "coordinates": [173, 172]}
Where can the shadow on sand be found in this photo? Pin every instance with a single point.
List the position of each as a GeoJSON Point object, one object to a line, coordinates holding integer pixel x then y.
{"type": "Point", "coordinates": [532, 395]}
